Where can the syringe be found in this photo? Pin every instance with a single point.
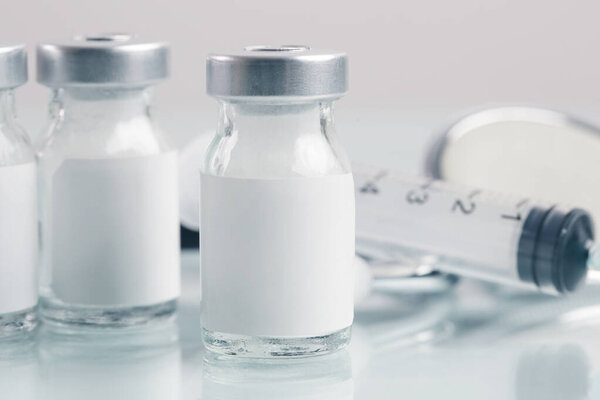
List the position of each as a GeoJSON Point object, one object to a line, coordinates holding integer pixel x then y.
{"type": "Point", "coordinates": [473, 233]}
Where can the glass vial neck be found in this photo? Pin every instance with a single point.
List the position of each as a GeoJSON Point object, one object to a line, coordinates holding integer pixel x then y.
{"type": "Point", "coordinates": [7, 107]}
{"type": "Point", "coordinates": [15, 147]}
{"type": "Point", "coordinates": [98, 121]}
{"type": "Point", "coordinates": [102, 102]}
{"type": "Point", "coordinates": [276, 140]}
{"type": "Point", "coordinates": [264, 118]}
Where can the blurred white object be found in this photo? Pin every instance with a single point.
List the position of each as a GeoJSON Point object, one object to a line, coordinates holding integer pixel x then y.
{"type": "Point", "coordinates": [528, 151]}
{"type": "Point", "coordinates": [190, 164]}
{"type": "Point", "coordinates": [362, 280]}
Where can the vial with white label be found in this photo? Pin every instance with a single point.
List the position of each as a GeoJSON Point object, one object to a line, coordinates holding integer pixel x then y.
{"type": "Point", "coordinates": [18, 204]}
{"type": "Point", "coordinates": [108, 178]}
{"type": "Point", "coordinates": [277, 206]}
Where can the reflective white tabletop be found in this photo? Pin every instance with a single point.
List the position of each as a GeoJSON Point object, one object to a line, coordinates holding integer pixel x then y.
{"type": "Point", "coordinates": [478, 341]}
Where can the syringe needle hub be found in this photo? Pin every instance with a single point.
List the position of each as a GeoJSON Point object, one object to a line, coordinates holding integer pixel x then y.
{"type": "Point", "coordinates": [594, 256]}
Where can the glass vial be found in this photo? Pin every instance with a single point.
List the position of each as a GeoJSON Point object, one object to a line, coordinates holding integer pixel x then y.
{"type": "Point", "coordinates": [18, 205]}
{"type": "Point", "coordinates": [108, 178]}
{"type": "Point", "coordinates": [277, 206]}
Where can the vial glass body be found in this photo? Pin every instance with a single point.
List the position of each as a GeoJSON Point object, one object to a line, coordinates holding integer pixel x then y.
{"type": "Point", "coordinates": [18, 229]}
{"type": "Point", "coordinates": [109, 208]}
{"type": "Point", "coordinates": [277, 232]}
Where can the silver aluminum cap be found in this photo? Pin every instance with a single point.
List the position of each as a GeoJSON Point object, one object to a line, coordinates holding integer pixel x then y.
{"type": "Point", "coordinates": [284, 71]}
{"type": "Point", "coordinates": [13, 65]}
{"type": "Point", "coordinates": [107, 59]}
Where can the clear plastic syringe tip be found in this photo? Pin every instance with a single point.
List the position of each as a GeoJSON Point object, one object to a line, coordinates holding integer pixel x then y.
{"type": "Point", "coordinates": [594, 255]}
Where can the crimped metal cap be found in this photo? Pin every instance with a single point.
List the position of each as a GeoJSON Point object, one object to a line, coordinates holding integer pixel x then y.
{"type": "Point", "coordinates": [111, 59]}
{"type": "Point", "coordinates": [284, 71]}
{"type": "Point", "coordinates": [13, 65]}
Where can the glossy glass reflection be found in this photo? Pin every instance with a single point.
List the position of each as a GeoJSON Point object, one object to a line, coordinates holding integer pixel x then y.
{"type": "Point", "coordinates": [325, 377]}
{"type": "Point", "coordinates": [111, 365]}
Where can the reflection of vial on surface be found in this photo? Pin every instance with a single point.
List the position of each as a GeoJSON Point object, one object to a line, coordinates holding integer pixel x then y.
{"type": "Point", "coordinates": [19, 372]}
{"type": "Point", "coordinates": [110, 225]}
{"type": "Point", "coordinates": [120, 365]}
{"type": "Point", "coordinates": [18, 204]}
{"type": "Point", "coordinates": [328, 377]}
{"type": "Point", "coordinates": [553, 373]}
{"type": "Point", "coordinates": [277, 206]}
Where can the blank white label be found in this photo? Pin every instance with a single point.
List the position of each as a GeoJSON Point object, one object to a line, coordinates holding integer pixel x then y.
{"type": "Point", "coordinates": [18, 237]}
{"type": "Point", "coordinates": [115, 231]}
{"type": "Point", "coordinates": [277, 255]}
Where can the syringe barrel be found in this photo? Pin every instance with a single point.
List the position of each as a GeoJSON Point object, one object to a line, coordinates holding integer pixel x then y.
{"type": "Point", "coordinates": [470, 232]}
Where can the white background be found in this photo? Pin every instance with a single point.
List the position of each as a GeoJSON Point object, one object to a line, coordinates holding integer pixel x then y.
{"type": "Point", "coordinates": [414, 64]}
